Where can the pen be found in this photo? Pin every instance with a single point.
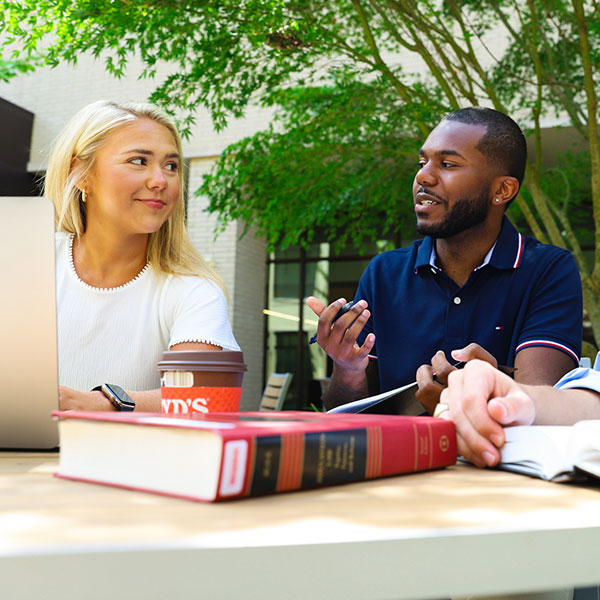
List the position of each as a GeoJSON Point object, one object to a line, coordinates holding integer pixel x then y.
{"type": "Point", "coordinates": [340, 313]}
{"type": "Point", "coordinates": [462, 363]}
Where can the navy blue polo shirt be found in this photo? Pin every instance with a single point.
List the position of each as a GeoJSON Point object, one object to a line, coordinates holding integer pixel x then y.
{"type": "Point", "coordinates": [526, 294]}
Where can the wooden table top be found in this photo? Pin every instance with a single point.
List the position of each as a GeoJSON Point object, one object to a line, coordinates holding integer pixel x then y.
{"type": "Point", "coordinates": [460, 515]}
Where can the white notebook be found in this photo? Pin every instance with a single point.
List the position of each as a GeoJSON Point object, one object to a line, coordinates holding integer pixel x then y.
{"type": "Point", "coordinates": [555, 453]}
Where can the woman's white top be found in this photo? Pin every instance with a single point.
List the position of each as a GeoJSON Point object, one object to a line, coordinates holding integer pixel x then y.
{"type": "Point", "coordinates": [117, 335]}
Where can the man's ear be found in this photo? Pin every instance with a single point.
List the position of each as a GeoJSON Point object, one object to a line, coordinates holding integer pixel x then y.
{"type": "Point", "coordinates": [505, 189]}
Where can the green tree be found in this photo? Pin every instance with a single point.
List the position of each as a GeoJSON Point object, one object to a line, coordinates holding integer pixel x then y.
{"type": "Point", "coordinates": [338, 159]}
{"type": "Point", "coordinates": [347, 110]}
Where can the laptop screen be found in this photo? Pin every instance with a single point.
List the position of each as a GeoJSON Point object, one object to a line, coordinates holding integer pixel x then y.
{"type": "Point", "coordinates": [28, 342]}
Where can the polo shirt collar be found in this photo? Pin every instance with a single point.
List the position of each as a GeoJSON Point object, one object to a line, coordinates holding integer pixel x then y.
{"type": "Point", "coordinates": [486, 260]}
{"type": "Point", "coordinates": [509, 248]}
{"type": "Point", "coordinates": [506, 253]}
{"type": "Point", "coordinates": [424, 253]}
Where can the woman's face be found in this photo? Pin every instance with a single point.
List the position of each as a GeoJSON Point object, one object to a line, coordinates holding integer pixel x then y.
{"type": "Point", "coordinates": [134, 185]}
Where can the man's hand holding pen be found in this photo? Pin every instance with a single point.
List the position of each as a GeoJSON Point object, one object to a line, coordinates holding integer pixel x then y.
{"type": "Point", "coordinates": [339, 326]}
{"type": "Point", "coordinates": [337, 334]}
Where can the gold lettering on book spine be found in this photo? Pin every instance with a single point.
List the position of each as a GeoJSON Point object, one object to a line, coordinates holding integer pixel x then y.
{"type": "Point", "coordinates": [416, 438]}
{"type": "Point", "coordinates": [444, 443]}
{"type": "Point", "coordinates": [321, 458]}
{"type": "Point", "coordinates": [430, 437]}
{"type": "Point", "coordinates": [266, 468]}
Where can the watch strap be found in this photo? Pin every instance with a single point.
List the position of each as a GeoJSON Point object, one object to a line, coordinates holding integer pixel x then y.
{"type": "Point", "coordinates": [118, 397]}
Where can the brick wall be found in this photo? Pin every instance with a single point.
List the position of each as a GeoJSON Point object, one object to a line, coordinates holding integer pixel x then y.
{"type": "Point", "coordinates": [55, 95]}
{"type": "Point", "coordinates": [242, 265]}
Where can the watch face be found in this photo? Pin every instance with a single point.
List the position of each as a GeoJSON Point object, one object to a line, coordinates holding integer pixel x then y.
{"type": "Point", "coordinates": [118, 396]}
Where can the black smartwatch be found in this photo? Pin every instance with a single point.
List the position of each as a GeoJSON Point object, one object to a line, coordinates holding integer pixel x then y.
{"type": "Point", "coordinates": [119, 398]}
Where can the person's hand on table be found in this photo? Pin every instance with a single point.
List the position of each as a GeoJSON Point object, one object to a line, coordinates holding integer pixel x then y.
{"type": "Point", "coordinates": [433, 378]}
{"type": "Point", "coordinates": [70, 399]}
{"type": "Point", "coordinates": [481, 400]}
{"type": "Point", "coordinates": [339, 339]}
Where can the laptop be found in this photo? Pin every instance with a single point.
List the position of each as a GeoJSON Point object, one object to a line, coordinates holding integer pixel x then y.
{"type": "Point", "coordinates": [28, 341]}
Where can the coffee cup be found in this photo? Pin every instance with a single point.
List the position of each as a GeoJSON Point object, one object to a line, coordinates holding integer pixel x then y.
{"type": "Point", "coordinates": [201, 381]}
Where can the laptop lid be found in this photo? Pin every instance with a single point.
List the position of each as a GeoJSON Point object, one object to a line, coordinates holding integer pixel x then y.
{"type": "Point", "coordinates": [28, 341]}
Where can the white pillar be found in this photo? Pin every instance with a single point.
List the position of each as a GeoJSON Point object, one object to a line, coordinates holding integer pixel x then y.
{"type": "Point", "coordinates": [242, 265]}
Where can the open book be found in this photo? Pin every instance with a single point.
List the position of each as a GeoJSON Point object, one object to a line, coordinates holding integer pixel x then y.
{"type": "Point", "coordinates": [555, 453]}
{"type": "Point", "coordinates": [399, 401]}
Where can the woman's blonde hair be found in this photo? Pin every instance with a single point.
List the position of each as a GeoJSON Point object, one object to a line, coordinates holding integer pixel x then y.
{"type": "Point", "coordinates": [72, 159]}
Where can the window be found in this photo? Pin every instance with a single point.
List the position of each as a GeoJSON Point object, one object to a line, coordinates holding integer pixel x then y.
{"type": "Point", "coordinates": [293, 275]}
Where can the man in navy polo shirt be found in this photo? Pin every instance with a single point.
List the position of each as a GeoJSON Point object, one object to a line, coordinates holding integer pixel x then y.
{"type": "Point", "coordinates": [472, 288]}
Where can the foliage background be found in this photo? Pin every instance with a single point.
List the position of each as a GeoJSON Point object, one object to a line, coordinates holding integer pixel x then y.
{"type": "Point", "coordinates": [349, 113]}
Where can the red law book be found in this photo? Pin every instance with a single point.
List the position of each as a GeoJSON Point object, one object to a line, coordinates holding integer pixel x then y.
{"type": "Point", "coordinates": [220, 456]}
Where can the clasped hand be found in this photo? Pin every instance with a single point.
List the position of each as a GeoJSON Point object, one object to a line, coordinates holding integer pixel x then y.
{"type": "Point", "coordinates": [481, 401]}
{"type": "Point", "coordinates": [434, 377]}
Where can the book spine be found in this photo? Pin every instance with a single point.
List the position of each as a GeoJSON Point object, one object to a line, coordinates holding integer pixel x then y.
{"type": "Point", "coordinates": [296, 460]}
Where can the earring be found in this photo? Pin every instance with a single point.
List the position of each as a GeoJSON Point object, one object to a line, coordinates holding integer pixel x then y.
{"type": "Point", "coordinates": [83, 196]}
{"type": "Point", "coordinates": [497, 199]}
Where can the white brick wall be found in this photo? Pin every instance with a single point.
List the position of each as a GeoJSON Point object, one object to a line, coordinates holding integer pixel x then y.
{"type": "Point", "coordinates": [55, 95]}
{"type": "Point", "coordinates": [248, 318]}
{"type": "Point", "coordinates": [241, 263]}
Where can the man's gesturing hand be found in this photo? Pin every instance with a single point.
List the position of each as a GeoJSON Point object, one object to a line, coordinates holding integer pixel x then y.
{"type": "Point", "coordinates": [339, 339]}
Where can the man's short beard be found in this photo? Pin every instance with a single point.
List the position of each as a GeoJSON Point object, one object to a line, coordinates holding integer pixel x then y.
{"type": "Point", "coordinates": [466, 213]}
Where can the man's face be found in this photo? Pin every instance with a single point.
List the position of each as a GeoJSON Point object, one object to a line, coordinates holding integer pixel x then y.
{"type": "Point", "coordinates": [452, 188]}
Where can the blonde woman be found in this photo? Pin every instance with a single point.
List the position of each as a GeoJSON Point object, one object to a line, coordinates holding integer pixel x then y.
{"type": "Point", "coordinates": [129, 282]}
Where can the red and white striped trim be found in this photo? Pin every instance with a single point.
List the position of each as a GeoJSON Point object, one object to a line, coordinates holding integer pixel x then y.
{"type": "Point", "coordinates": [519, 252]}
{"type": "Point", "coordinates": [548, 343]}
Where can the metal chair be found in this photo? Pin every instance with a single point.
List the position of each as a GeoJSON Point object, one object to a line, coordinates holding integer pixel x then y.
{"type": "Point", "coordinates": [275, 391]}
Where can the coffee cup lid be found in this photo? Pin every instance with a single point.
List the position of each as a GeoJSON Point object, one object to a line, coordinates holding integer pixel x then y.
{"type": "Point", "coordinates": [202, 360]}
